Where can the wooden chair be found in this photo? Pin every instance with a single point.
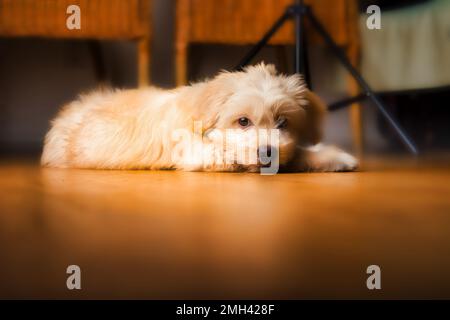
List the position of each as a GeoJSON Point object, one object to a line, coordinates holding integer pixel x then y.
{"type": "Point", "coordinates": [243, 22]}
{"type": "Point", "coordinates": [100, 19]}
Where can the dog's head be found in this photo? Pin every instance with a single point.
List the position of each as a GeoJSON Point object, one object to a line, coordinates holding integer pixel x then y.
{"type": "Point", "coordinates": [259, 99]}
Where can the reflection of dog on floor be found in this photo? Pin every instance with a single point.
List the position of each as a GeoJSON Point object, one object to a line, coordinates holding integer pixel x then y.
{"type": "Point", "coordinates": [133, 129]}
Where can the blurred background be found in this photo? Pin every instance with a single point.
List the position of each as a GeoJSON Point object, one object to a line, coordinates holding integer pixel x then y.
{"type": "Point", "coordinates": [42, 68]}
{"type": "Point", "coordinates": [179, 235]}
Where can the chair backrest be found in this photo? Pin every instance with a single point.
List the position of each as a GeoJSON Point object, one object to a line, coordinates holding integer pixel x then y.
{"type": "Point", "coordinates": [244, 22]}
{"type": "Point", "coordinates": [99, 18]}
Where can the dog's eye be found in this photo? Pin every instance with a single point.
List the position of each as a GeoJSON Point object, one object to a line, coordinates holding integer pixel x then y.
{"type": "Point", "coordinates": [281, 123]}
{"type": "Point", "coordinates": [244, 122]}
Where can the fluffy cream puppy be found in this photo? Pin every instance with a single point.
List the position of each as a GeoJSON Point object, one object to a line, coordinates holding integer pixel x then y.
{"type": "Point", "coordinates": [142, 128]}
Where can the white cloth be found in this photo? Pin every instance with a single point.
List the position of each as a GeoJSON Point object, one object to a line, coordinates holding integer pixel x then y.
{"type": "Point", "coordinates": [412, 49]}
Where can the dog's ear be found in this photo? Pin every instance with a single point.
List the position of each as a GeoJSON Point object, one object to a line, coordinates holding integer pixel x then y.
{"type": "Point", "coordinates": [315, 108]}
{"type": "Point", "coordinates": [206, 100]}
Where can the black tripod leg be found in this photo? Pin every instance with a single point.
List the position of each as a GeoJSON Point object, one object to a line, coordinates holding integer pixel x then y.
{"type": "Point", "coordinates": [362, 83]}
{"type": "Point", "coordinates": [253, 51]}
{"type": "Point", "coordinates": [346, 102]}
{"type": "Point", "coordinates": [299, 43]}
{"type": "Point", "coordinates": [301, 53]}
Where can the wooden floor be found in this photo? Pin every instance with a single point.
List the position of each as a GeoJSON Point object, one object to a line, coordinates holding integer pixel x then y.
{"type": "Point", "coordinates": [140, 234]}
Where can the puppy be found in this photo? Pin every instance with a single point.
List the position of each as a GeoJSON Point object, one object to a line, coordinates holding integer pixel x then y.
{"type": "Point", "coordinates": [141, 129]}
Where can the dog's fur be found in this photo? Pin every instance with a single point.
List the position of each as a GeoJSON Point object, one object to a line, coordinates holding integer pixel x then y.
{"type": "Point", "coordinates": [131, 129]}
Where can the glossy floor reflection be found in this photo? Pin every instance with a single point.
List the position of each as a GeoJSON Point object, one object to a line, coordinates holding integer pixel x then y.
{"type": "Point", "coordinates": [141, 234]}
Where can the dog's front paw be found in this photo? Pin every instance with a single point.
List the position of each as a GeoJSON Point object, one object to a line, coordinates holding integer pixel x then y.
{"type": "Point", "coordinates": [330, 159]}
{"type": "Point", "coordinates": [342, 161]}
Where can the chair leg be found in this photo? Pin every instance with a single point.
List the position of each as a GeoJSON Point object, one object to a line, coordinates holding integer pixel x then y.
{"type": "Point", "coordinates": [143, 58]}
{"type": "Point", "coordinates": [98, 61]}
{"type": "Point", "coordinates": [355, 108]}
{"type": "Point", "coordinates": [181, 64]}
{"type": "Point", "coordinates": [356, 125]}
